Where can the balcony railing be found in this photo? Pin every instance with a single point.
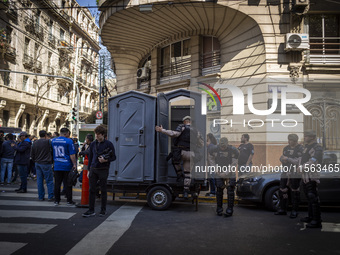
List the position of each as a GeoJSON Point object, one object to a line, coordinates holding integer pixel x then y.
{"type": "Point", "coordinates": [51, 40]}
{"type": "Point", "coordinates": [210, 62]}
{"type": "Point", "coordinates": [324, 50]}
{"type": "Point", "coordinates": [27, 61]}
{"type": "Point", "coordinates": [179, 69]}
{"type": "Point", "coordinates": [65, 15]}
{"type": "Point", "coordinates": [63, 45]}
{"type": "Point", "coordinates": [11, 53]}
{"type": "Point", "coordinates": [12, 13]}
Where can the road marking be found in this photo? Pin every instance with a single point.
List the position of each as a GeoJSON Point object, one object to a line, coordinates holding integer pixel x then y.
{"type": "Point", "coordinates": [114, 226]}
{"type": "Point", "coordinates": [14, 188]}
{"type": "Point", "coordinates": [29, 203]}
{"type": "Point", "coordinates": [330, 227]}
{"type": "Point", "coordinates": [35, 214]}
{"type": "Point", "coordinates": [24, 228]}
{"type": "Point", "coordinates": [27, 195]}
{"type": "Point", "coordinates": [10, 247]}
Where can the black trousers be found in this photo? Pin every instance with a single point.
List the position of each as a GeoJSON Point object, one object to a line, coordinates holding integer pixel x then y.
{"type": "Point", "coordinates": [59, 177]}
{"type": "Point", "coordinates": [95, 176]}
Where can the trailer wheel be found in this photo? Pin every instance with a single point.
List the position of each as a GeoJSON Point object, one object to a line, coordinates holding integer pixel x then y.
{"type": "Point", "coordinates": [159, 198]}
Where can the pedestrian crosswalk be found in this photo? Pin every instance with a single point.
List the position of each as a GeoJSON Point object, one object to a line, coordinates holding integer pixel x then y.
{"type": "Point", "coordinates": [24, 217]}
{"type": "Point", "coordinates": [20, 214]}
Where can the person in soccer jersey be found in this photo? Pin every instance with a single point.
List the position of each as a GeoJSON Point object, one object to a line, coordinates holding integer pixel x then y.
{"type": "Point", "coordinates": [64, 161]}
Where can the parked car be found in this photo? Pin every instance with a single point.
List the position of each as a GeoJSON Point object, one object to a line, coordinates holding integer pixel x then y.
{"type": "Point", "coordinates": [264, 188]}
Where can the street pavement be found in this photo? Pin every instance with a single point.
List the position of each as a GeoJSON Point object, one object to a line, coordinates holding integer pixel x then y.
{"type": "Point", "coordinates": [29, 226]}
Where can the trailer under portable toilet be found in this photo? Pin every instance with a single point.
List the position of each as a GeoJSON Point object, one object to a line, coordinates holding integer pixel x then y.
{"type": "Point", "coordinates": [142, 165]}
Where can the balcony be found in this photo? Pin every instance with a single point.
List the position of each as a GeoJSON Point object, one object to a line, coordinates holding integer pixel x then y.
{"type": "Point", "coordinates": [10, 53]}
{"type": "Point", "coordinates": [65, 73]}
{"type": "Point", "coordinates": [64, 46]}
{"type": "Point", "coordinates": [12, 13]}
{"type": "Point", "coordinates": [324, 50]}
{"type": "Point", "coordinates": [65, 15]}
{"type": "Point", "coordinates": [210, 62]}
{"type": "Point", "coordinates": [85, 58]}
{"type": "Point", "coordinates": [38, 31]}
{"type": "Point", "coordinates": [38, 66]}
{"type": "Point", "coordinates": [27, 61]}
{"type": "Point", "coordinates": [51, 40]}
{"type": "Point", "coordinates": [179, 69]}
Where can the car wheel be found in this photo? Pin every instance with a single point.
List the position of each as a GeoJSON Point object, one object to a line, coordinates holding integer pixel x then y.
{"type": "Point", "coordinates": [272, 198]}
{"type": "Point", "coordinates": [159, 198]}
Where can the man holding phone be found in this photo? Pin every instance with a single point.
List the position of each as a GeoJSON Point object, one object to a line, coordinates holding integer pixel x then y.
{"type": "Point", "coordinates": [102, 153]}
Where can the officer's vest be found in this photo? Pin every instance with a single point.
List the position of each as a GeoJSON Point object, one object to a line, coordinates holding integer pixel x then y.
{"type": "Point", "coordinates": [224, 157]}
{"type": "Point", "coordinates": [184, 139]}
{"type": "Point", "coordinates": [296, 153]}
{"type": "Point", "coordinates": [306, 153]}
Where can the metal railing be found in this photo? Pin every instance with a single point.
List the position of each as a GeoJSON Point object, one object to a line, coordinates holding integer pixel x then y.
{"type": "Point", "coordinates": [51, 39]}
{"type": "Point", "coordinates": [179, 66]}
{"type": "Point", "coordinates": [11, 52]}
{"type": "Point", "coordinates": [27, 60]}
{"type": "Point", "coordinates": [325, 50]}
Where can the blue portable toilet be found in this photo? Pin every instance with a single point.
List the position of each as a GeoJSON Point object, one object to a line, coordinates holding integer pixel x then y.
{"type": "Point", "coordinates": [131, 128]}
{"type": "Point", "coordinates": [141, 165]}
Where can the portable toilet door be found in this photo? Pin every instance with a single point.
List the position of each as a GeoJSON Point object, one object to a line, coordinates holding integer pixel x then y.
{"type": "Point", "coordinates": [163, 101]}
{"type": "Point", "coordinates": [132, 131]}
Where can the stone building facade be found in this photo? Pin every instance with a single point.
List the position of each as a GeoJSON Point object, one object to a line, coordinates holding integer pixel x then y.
{"type": "Point", "coordinates": [40, 38]}
{"type": "Point", "coordinates": [159, 46]}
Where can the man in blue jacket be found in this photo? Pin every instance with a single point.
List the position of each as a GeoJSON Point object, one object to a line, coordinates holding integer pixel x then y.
{"type": "Point", "coordinates": [64, 161]}
{"type": "Point", "coordinates": [7, 157]}
{"type": "Point", "coordinates": [22, 159]}
{"type": "Point", "coordinates": [102, 153]}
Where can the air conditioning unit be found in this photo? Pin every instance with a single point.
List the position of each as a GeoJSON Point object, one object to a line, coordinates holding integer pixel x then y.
{"type": "Point", "coordinates": [142, 73]}
{"type": "Point", "coordinates": [301, 2]}
{"type": "Point", "coordinates": [297, 42]}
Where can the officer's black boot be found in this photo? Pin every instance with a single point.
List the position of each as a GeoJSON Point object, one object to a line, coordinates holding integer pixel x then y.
{"type": "Point", "coordinates": [295, 204]}
{"type": "Point", "coordinates": [310, 215]}
{"type": "Point", "coordinates": [283, 203]}
{"type": "Point", "coordinates": [316, 219]}
{"type": "Point", "coordinates": [185, 194]}
{"type": "Point", "coordinates": [219, 201]}
{"type": "Point", "coordinates": [180, 177]}
{"type": "Point", "coordinates": [231, 198]}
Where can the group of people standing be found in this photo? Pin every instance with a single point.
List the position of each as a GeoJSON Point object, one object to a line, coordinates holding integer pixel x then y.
{"type": "Point", "coordinates": [54, 158]}
{"type": "Point", "coordinates": [297, 157]}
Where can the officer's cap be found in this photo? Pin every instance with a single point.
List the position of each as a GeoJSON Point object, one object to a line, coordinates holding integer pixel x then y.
{"type": "Point", "coordinates": [224, 141]}
{"type": "Point", "coordinates": [293, 137]}
{"type": "Point", "coordinates": [186, 118]}
{"type": "Point", "coordinates": [309, 133]}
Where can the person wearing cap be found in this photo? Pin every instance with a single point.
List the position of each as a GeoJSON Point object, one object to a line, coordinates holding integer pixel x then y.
{"type": "Point", "coordinates": [290, 158]}
{"type": "Point", "coordinates": [22, 160]}
{"type": "Point", "coordinates": [311, 158]}
{"type": "Point", "coordinates": [226, 157]}
{"type": "Point", "coordinates": [182, 151]}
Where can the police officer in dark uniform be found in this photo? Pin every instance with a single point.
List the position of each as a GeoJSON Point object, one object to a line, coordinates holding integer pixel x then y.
{"type": "Point", "coordinates": [311, 158]}
{"type": "Point", "coordinates": [290, 160]}
{"type": "Point", "coordinates": [226, 156]}
{"type": "Point", "coordinates": [182, 151]}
